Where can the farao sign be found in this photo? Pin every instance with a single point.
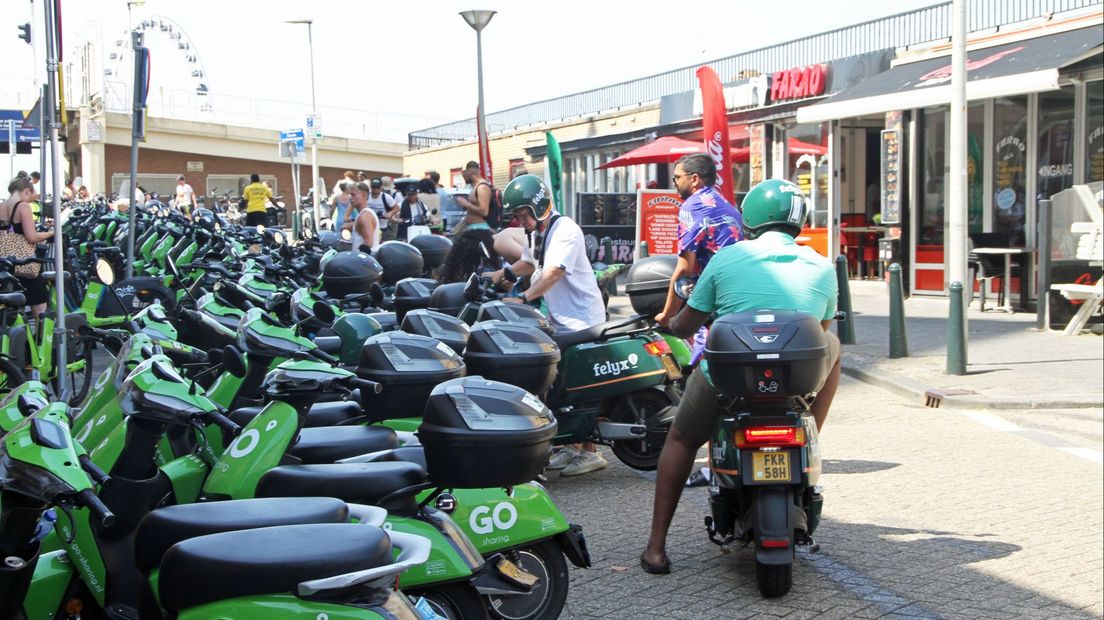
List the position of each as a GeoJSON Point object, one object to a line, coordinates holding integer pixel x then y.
{"type": "Point", "coordinates": [799, 83]}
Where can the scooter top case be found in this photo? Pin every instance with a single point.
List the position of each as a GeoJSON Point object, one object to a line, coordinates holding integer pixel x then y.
{"type": "Point", "coordinates": [594, 367]}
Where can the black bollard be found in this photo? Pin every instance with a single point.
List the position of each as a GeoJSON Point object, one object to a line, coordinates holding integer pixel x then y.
{"type": "Point", "coordinates": [845, 328]}
{"type": "Point", "coordinates": [898, 337]}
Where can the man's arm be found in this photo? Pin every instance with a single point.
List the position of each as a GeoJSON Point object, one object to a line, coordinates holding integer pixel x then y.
{"type": "Point", "coordinates": [687, 322]}
{"type": "Point", "coordinates": [687, 264]}
{"type": "Point", "coordinates": [393, 211]}
{"type": "Point", "coordinates": [549, 277]}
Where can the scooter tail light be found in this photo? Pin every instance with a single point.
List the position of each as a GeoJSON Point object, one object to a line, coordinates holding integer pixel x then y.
{"type": "Point", "coordinates": [770, 436]}
{"type": "Point", "coordinates": [774, 543]}
{"type": "Point", "coordinates": [658, 348]}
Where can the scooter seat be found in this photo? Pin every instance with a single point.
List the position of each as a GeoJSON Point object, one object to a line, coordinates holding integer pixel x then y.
{"type": "Point", "coordinates": [360, 483]}
{"type": "Point", "coordinates": [167, 526]}
{"type": "Point", "coordinates": [406, 454]}
{"type": "Point", "coordinates": [329, 444]}
{"type": "Point", "coordinates": [590, 334]}
{"type": "Point", "coordinates": [320, 414]}
{"type": "Point", "coordinates": [269, 560]}
{"type": "Point", "coordinates": [13, 299]}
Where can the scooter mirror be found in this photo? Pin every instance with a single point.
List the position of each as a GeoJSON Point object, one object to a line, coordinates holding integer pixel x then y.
{"type": "Point", "coordinates": [214, 356]}
{"type": "Point", "coordinates": [324, 312]}
{"type": "Point", "coordinates": [473, 290]}
{"type": "Point", "coordinates": [486, 252]}
{"type": "Point", "coordinates": [684, 286]}
{"type": "Point", "coordinates": [346, 234]}
{"type": "Point", "coordinates": [375, 291]}
{"type": "Point", "coordinates": [233, 362]}
{"type": "Point", "coordinates": [105, 273]}
{"type": "Point", "coordinates": [260, 229]}
{"type": "Point", "coordinates": [278, 237]}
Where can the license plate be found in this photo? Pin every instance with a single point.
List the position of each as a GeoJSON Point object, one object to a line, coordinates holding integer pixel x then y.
{"type": "Point", "coordinates": [674, 373]}
{"type": "Point", "coordinates": [515, 573]}
{"type": "Point", "coordinates": [770, 466]}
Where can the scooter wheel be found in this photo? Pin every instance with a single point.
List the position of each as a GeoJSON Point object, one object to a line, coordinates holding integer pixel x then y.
{"type": "Point", "coordinates": [641, 454]}
{"type": "Point", "coordinates": [775, 580]}
{"type": "Point", "coordinates": [454, 602]}
{"type": "Point", "coordinates": [545, 560]}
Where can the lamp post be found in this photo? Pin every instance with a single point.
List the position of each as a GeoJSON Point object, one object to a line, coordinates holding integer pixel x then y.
{"type": "Point", "coordinates": [313, 130]}
{"type": "Point", "coordinates": [478, 20]}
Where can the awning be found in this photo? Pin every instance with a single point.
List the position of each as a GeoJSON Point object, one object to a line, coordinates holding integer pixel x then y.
{"type": "Point", "coordinates": [660, 151]}
{"type": "Point", "coordinates": [1021, 67]}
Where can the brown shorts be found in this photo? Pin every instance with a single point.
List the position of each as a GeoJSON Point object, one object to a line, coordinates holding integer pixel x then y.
{"type": "Point", "coordinates": [698, 410]}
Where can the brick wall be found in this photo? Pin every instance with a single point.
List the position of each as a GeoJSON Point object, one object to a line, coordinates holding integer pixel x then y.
{"type": "Point", "coordinates": [505, 147]}
{"type": "Point", "coordinates": [153, 161]}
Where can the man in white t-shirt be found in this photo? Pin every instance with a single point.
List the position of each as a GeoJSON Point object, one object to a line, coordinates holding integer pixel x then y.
{"type": "Point", "coordinates": [386, 209]}
{"type": "Point", "coordinates": [563, 276]}
{"type": "Point", "coordinates": [366, 226]}
{"type": "Point", "coordinates": [185, 196]}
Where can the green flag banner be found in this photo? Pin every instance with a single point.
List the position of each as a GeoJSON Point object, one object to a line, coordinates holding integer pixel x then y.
{"type": "Point", "coordinates": [553, 170]}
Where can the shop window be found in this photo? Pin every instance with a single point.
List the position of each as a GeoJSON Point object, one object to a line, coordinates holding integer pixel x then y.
{"type": "Point", "coordinates": [456, 178]}
{"type": "Point", "coordinates": [934, 148]}
{"type": "Point", "coordinates": [807, 149]}
{"type": "Point", "coordinates": [1010, 167]}
{"type": "Point", "coordinates": [975, 166]}
{"type": "Point", "coordinates": [517, 168]}
{"type": "Point", "coordinates": [1094, 131]}
{"type": "Point", "coordinates": [1055, 163]}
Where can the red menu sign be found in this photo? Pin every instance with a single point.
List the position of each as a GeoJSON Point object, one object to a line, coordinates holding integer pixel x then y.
{"type": "Point", "coordinates": [657, 220]}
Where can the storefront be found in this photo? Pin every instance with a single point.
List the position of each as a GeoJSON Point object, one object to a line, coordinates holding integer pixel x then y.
{"type": "Point", "coordinates": [1034, 128]}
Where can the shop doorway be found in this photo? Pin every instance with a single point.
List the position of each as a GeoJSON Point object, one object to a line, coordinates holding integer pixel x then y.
{"type": "Point", "coordinates": [859, 175]}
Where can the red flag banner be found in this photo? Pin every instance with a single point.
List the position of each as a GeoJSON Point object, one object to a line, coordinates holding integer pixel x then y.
{"type": "Point", "coordinates": [715, 129]}
{"type": "Point", "coordinates": [484, 150]}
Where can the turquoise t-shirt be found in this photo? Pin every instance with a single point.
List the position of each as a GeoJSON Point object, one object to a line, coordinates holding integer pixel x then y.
{"type": "Point", "coordinates": [771, 272]}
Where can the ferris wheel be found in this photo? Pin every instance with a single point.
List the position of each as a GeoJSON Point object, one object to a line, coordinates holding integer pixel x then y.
{"type": "Point", "coordinates": [179, 76]}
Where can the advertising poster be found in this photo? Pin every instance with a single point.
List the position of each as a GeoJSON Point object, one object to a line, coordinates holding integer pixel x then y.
{"type": "Point", "coordinates": [757, 153]}
{"type": "Point", "coordinates": [657, 220]}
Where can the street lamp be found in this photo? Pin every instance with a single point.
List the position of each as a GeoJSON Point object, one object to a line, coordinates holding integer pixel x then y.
{"type": "Point", "coordinates": [313, 130]}
{"type": "Point", "coordinates": [479, 20]}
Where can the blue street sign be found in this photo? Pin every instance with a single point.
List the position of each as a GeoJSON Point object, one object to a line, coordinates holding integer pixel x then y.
{"type": "Point", "coordinates": [8, 118]}
{"type": "Point", "coordinates": [296, 136]}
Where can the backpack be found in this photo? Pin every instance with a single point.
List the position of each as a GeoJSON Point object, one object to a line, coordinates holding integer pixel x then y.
{"type": "Point", "coordinates": [494, 210]}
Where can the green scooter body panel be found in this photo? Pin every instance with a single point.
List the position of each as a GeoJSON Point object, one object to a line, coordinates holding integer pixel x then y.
{"type": "Point", "coordinates": [679, 349]}
{"type": "Point", "coordinates": [280, 606]}
{"type": "Point", "coordinates": [107, 386]}
{"type": "Point", "coordinates": [596, 370]}
{"type": "Point", "coordinates": [256, 286]}
{"type": "Point", "coordinates": [106, 453]}
{"type": "Point", "coordinates": [224, 389]}
{"type": "Point", "coordinates": [51, 578]}
{"type": "Point", "coordinates": [187, 474]}
{"type": "Point", "coordinates": [409, 425]}
{"type": "Point", "coordinates": [495, 521]}
{"type": "Point", "coordinates": [259, 448]}
{"type": "Point", "coordinates": [33, 391]}
{"type": "Point", "coordinates": [447, 559]}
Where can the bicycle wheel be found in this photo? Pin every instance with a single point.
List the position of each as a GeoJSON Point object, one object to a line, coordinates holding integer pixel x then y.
{"type": "Point", "coordinates": [79, 369]}
{"type": "Point", "coordinates": [11, 376]}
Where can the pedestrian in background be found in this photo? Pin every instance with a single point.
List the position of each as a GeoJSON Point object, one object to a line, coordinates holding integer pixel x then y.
{"type": "Point", "coordinates": [185, 196]}
{"type": "Point", "coordinates": [386, 209]}
{"type": "Point", "coordinates": [478, 204]}
{"type": "Point", "coordinates": [340, 200]}
{"type": "Point", "coordinates": [365, 227]}
{"type": "Point", "coordinates": [257, 196]}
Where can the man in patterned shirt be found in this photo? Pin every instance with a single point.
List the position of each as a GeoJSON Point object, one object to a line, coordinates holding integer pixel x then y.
{"type": "Point", "coordinates": [707, 223]}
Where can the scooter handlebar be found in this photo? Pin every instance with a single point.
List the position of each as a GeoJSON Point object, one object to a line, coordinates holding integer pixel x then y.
{"type": "Point", "coordinates": [224, 423]}
{"type": "Point", "coordinates": [89, 500]}
{"type": "Point", "coordinates": [364, 385]}
{"type": "Point", "coordinates": [97, 475]}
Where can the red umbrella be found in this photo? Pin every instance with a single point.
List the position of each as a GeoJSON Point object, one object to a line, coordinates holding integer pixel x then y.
{"type": "Point", "coordinates": [795, 147]}
{"type": "Point", "coordinates": [660, 151]}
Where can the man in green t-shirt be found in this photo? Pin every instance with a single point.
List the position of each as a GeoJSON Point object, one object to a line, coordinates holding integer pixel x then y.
{"type": "Point", "coordinates": [767, 271]}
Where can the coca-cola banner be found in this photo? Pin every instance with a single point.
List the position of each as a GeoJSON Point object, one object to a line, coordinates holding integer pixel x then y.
{"type": "Point", "coordinates": [715, 129]}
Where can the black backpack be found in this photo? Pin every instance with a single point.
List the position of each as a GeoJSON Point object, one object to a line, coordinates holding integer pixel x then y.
{"type": "Point", "coordinates": [494, 211]}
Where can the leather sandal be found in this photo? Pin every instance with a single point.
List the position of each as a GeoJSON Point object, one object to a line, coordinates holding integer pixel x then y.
{"type": "Point", "coordinates": [655, 569]}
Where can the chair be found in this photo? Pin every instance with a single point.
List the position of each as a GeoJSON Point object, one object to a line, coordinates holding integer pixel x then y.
{"type": "Point", "coordinates": [987, 267]}
{"type": "Point", "coordinates": [1090, 247]}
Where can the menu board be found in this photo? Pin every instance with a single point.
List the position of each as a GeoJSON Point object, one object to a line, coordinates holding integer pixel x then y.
{"type": "Point", "coordinates": [891, 177]}
{"type": "Point", "coordinates": [657, 220]}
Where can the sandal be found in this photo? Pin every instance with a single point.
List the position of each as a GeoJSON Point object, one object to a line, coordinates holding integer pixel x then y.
{"type": "Point", "coordinates": [655, 569]}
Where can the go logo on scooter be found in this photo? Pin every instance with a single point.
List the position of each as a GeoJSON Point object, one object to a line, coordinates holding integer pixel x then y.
{"type": "Point", "coordinates": [616, 367]}
{"type": "Point", "coordinates": [484, 519]}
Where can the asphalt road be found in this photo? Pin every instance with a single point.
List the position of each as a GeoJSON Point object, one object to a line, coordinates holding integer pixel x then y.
{"type": "Point", "coordinates": [929, 513]}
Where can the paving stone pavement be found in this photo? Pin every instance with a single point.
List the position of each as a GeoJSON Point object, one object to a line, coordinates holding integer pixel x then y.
{"type": "Point", "coordinates": [928, 514]}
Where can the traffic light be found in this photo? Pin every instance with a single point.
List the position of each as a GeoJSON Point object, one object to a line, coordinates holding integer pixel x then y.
{"type": "Point", "coordinates": [25, 32]}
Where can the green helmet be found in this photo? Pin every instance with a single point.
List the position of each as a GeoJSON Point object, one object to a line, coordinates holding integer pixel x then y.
{"type": "Point", "coordinates": [527, 191]}
{"type": "Point", "coordinates": [354, 329]}
{"type": "Point", "coordinates": [774, 204]}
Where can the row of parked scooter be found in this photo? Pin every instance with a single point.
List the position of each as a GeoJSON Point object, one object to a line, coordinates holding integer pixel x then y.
{"type": "Point", "coordinates": [290, 429]}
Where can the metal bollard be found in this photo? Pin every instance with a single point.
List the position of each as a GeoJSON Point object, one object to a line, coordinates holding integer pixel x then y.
{"type": "Point", "coordinates": [845, 328]}
{"type": "Point", "coordinates": [898, 337]}
{"type": "Point", "coordinates": [296, 225]}
{"type": "Point", "coordinates": [956, 332]}
{"type": "Point", "coordinates": [643, 249]}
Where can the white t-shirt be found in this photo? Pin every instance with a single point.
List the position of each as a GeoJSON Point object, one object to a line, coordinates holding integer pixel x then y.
{"type": "Point", "coordinates": [184, 195]}
{"type": "Point", "coordinates": [574, 302]}
{"type": "Point", "coordinates": [381, 203]}
{"type": "Point", "coordinates": [357, 240]}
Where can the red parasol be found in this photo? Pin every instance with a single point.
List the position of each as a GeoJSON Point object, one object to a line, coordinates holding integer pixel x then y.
{"type": "Point", "coordinates": [660, 151]}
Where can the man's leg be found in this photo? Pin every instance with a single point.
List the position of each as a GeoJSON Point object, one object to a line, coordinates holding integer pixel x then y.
{"type": "Point", "coordinates": [827, 391]}
{"type": "Point", "coordinates": [693, 423]}
{"type": "Point", "coordinates": [675, 463]}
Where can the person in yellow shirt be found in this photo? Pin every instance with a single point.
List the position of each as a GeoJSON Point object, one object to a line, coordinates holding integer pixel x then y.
{"type": "Point", "coordinates": [256, 194]}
